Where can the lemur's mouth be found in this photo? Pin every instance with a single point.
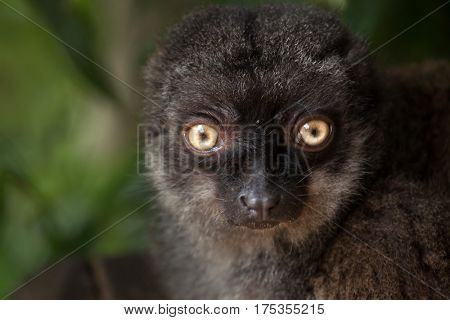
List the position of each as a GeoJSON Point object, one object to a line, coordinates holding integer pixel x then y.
{"type": "Point", "coordinates": [261, 224]}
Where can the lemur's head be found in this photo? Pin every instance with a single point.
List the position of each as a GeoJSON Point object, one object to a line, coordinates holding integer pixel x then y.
{"type": "Point", "coordinates": [265, 118]}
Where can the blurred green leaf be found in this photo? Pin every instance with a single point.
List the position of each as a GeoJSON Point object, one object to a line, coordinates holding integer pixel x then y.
{"type": "Point", "coordinates": [73, 23]}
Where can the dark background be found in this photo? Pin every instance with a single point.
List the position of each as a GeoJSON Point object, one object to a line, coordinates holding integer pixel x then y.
{"type": "Point", "coordinates": [68, 127]}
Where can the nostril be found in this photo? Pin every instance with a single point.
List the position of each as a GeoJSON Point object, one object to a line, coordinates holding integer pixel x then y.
{"type": "Point", "coordinates": [251, 201]}
{"type": "Point", "coordinates": [271, 202]}
{"type": "Point", "coordinates": [242, 200]}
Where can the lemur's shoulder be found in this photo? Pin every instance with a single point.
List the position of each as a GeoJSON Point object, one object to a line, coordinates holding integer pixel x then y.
{"type": "Point", "coordinates": [416, 118]}
{"type": "Point", "coordinates": [394, 246]}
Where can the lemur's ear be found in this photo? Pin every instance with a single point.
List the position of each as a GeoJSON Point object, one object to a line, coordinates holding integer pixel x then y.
{"type": "Point", "coordinates": [358, 55]}
{"type": "Point", "coordinates": [357, 50]}
{"type": "Point", "coordinates": [360, 67]}
{"type": "Point", "coordinates": [353, 52]}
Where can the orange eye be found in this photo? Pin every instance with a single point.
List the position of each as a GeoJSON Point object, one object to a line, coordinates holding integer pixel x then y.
{"type": "Point", "coordinates": [202, 137]}
{"type": "Point", "coordinates": [313, 134]}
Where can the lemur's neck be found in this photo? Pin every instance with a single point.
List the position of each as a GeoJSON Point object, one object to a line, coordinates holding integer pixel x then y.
{"type": "Point", "coordinates": [261, 262]}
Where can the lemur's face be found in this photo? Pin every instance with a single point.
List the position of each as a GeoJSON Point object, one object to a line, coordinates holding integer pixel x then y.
{"type": "Point", "coordinates": [262, 127]}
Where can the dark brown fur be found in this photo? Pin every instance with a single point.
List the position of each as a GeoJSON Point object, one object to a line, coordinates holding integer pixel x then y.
{"type": "Point", "coordinates": [394, 246]}
{"type": "Point", "coordinates": [416, 120]}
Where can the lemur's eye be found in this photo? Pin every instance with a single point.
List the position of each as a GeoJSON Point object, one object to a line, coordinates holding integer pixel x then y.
{"type": "Point", "coordinates": [313, 134]}
{"type": "Point", "coordinates": [202, 137]}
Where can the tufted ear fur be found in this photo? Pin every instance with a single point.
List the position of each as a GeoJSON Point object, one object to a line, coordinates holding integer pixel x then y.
{"type": "Point", "coordinates": [361, 70]}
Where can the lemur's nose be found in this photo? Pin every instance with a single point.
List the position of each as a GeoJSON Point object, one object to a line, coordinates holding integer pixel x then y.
{"type": "Point", "coordinates": [259, 205]}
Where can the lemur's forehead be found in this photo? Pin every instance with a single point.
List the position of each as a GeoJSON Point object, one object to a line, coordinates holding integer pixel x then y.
{"type": "Point", "coordinates": [247, 95]}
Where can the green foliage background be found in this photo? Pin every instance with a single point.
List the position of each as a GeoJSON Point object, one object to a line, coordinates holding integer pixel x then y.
{"type": "Point", "coordinates": [68, 128]}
